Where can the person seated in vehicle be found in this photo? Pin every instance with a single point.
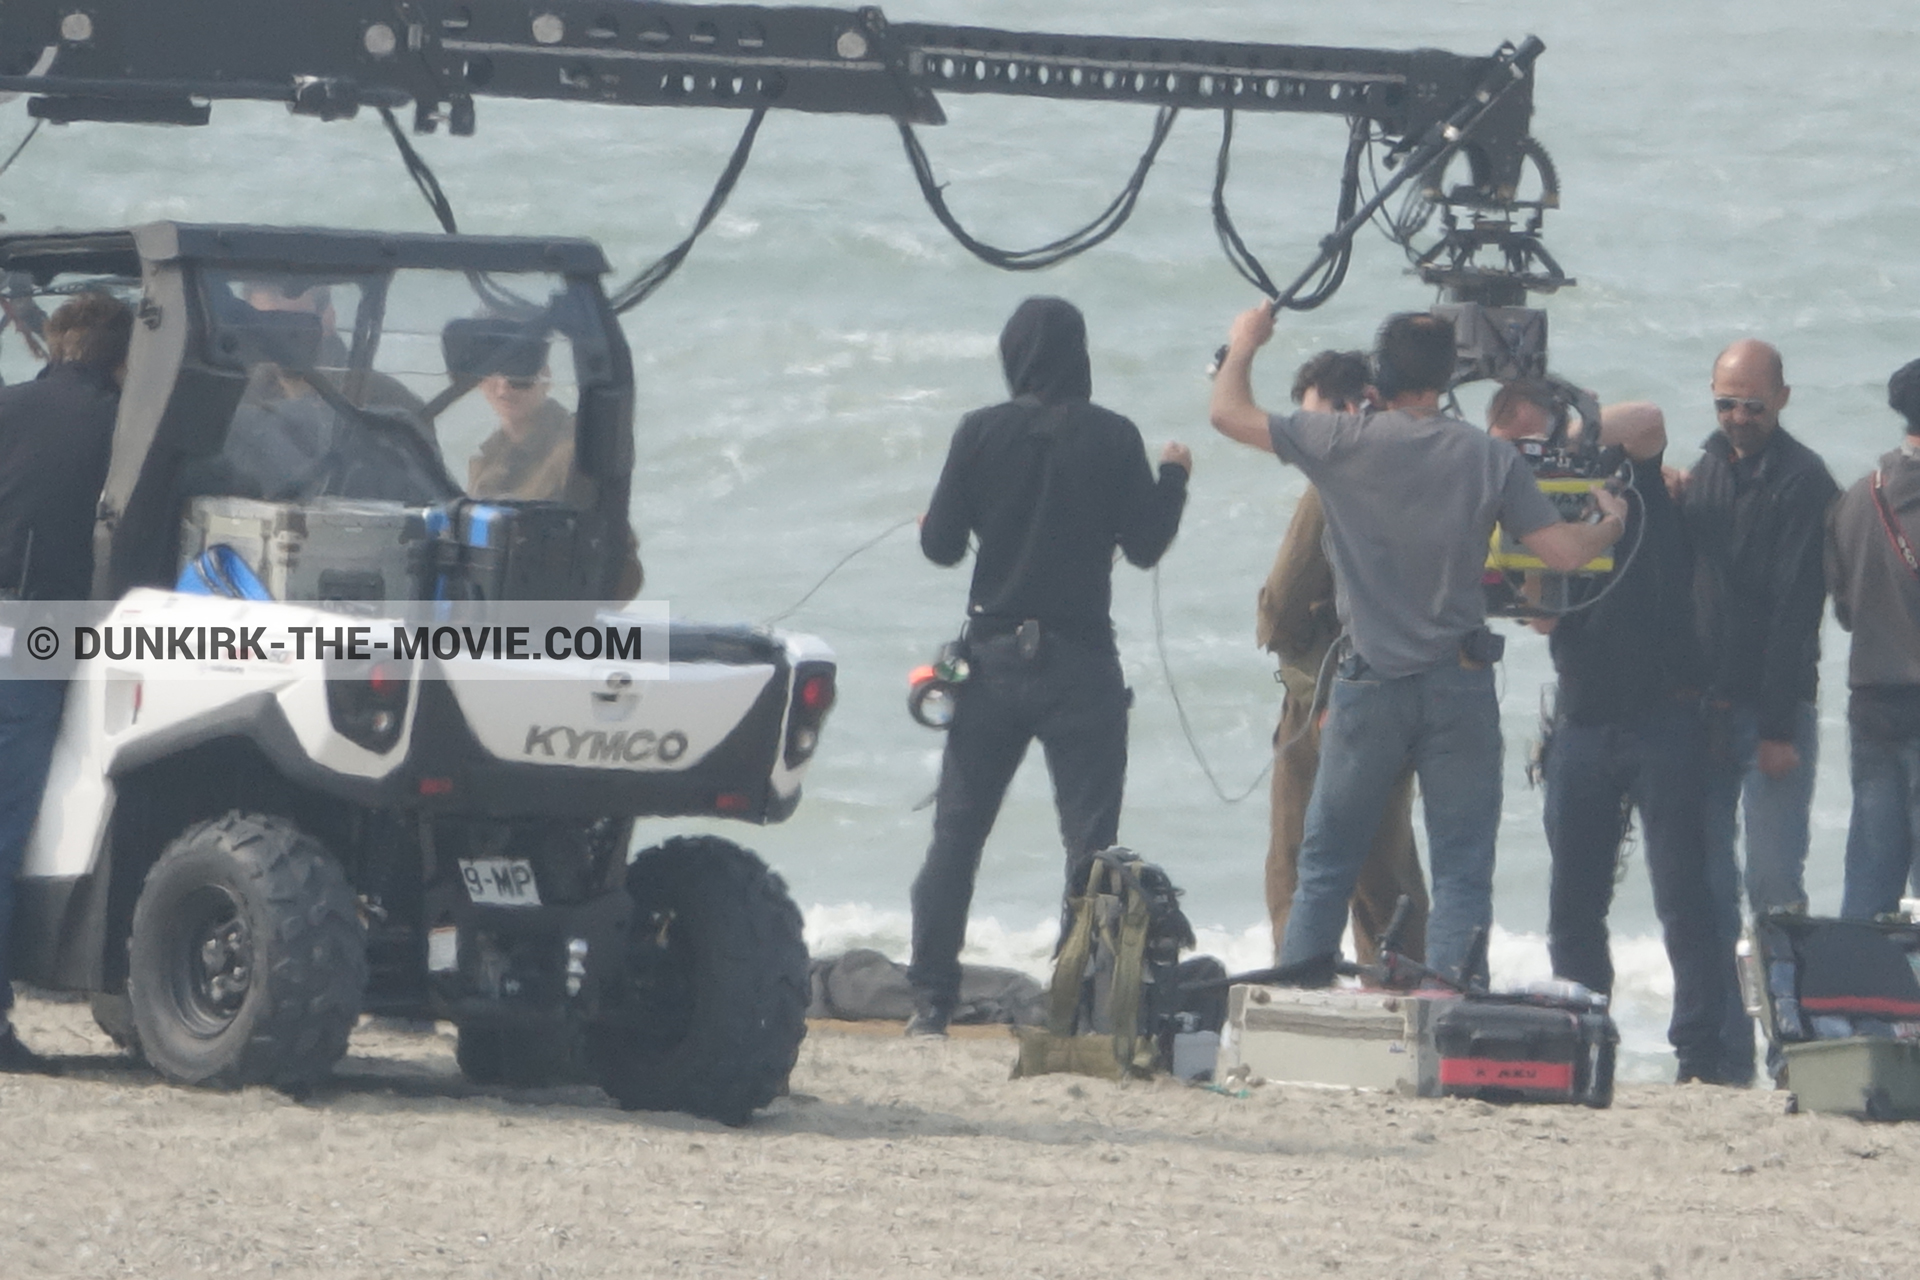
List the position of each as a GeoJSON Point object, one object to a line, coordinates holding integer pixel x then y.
{"type": "Point", "coordinates": [290, 439]}
{"type": "Point", "coordinates": [375, 389]}
{"type": "Point", "coordinates": [530, 456]}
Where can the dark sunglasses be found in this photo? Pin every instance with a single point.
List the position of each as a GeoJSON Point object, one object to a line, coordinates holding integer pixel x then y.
{"type": "Point", "coordinates": [1727, 404]}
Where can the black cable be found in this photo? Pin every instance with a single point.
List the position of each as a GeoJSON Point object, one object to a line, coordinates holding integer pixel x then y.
{"type": "Point", "coordinates": [15, 154]}
{"type": "Point", "coordinates": [1238, 254]}
{"type": "Point", "coordinates": [422, 175]}
{"type": "Point", "coordinates": [1186, 727]}
{"type": "Point", "coordinates": [642, 286]}
{"type": "Point", "coordinates": [866, 546]}
{"type": "Point", "coordinates": [1110, 219]}
{"type": "Point", "coordinates": [501, 299]}
{"type": "Point", "coordinates": [1242, 258]}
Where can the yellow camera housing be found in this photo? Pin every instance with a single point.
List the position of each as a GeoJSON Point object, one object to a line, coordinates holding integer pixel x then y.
{"type": "Point", "coordinates": [1507, 554]}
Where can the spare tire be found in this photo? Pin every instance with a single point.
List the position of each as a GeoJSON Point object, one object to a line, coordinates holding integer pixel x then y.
{"type": "Point", "coordinates": [714, 999]}
{"type": "Point", "coordinates": [247, 959]}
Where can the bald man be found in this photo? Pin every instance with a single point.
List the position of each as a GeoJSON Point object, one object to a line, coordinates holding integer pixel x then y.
{"type": "Point", "coordinates": [1756, 507]}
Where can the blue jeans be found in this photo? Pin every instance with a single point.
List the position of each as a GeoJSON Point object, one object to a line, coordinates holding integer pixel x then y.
{"type": "Point", "coordinates": [1884, 834]}
{"type": "Point", "coordinates": [1446, 721]}
{"type": "Point", "coordinates": [29, 723]}
{"type": "Point", "coordinates": [1774, 814]}
{"type": "Point", "coordinates": [1657, 763]}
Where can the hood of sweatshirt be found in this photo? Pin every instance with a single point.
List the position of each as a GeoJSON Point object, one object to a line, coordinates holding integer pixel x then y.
{"type": "Point", "coordinates": [1044, 351]}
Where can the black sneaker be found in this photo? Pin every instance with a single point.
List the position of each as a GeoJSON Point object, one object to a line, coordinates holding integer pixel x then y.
{"type": "Point", "coordinates": [929, 1022]}
{"type": "Point", "coordinates": [17, 1059]}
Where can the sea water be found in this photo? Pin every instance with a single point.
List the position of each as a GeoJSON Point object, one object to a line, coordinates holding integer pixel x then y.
{"type": "Point", "coordinates": [1726, 168]}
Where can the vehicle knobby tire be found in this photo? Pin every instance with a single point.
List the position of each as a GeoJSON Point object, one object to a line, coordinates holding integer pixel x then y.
{"type": "Point", "coordinates": [717, 972]}
{"type": "Point", "coordinates": [247, 959]}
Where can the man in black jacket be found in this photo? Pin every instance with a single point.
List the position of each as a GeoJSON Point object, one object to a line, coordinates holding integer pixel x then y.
{"type": "Point", "coordinates": [1050, 484]}
{"type": "Point", "coordinates": [55, 435]}
{"type": "Point", "coordinates": [1756, 509]}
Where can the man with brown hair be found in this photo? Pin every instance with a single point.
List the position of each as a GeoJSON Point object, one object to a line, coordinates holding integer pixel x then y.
{"type": "Point", "coordinates": [55, 436]}
{"type": "Point", "coordinates": [1298, 623]}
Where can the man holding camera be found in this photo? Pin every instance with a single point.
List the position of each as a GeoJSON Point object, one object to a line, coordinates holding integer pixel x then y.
{"type": "Point", "coordinates": [1628, 731]}
{"type": "Point", "coordinates": [1411, 497]}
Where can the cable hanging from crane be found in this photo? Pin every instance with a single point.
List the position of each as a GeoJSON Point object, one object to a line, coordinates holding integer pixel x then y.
{"type": "Point", "coordinates": [1110, 219]}
{"type": "Point", "coordinates": [642, 286]}
{"type": "Point", "coordinates": [637, 290]}
{"type": "Point", "coordinates": [1242, 258]}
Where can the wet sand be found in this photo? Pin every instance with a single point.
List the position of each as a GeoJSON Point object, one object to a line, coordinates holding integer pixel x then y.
{"type": "Point", "coordinates": [896, 1158]}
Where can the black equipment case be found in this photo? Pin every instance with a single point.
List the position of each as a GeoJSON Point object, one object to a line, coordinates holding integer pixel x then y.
{"type": "Point", "coordinates": [489, 551]}
{"type": "Point", "coordinates": [1842, 1001]}
{"type": "Point", "coordinates": [1526, 1049]}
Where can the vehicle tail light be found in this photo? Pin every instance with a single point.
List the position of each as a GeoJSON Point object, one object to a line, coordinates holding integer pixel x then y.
{"type": "Point", "coordinates": [813, 695]}
{"type": "Point", "coordinates": [367, 702]}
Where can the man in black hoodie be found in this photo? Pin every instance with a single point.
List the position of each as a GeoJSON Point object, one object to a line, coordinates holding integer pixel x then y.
{"type": "Point", "coordinates": [1050, 484]}
{"type": "Point", "coordinates": [55, 435]}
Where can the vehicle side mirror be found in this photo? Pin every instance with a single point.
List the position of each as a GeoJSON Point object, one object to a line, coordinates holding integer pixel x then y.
{"type": "Point", "coordinates": [476, 347]}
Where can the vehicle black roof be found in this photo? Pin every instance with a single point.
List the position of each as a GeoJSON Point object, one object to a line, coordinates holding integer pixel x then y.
{"type": "Point", "coordinates": [46, 254]}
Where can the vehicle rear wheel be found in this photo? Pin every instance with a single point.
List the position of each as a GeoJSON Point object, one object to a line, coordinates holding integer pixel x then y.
{"type": "Point", "coordinates": [113, 1015]}
{"type": "Point", "coordinates": [715, 992]}
{"type": "Point", "coordinates": [247, 959]}
{"type": "Point", "coordinates": [519, 1057]}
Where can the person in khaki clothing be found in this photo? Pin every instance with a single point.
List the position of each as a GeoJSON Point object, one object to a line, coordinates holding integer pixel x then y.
{"type": "Point", "coordinates": [531, 456]}
{"type": "Point", "coordinates": [1297, 623]}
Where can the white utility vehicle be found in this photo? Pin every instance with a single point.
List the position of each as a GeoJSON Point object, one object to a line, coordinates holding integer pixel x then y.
{"type": "Point", "coordinates": [241, 850]}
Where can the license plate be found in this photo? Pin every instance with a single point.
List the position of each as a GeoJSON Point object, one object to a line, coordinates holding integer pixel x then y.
{"type": "Point", "coordinates": [500, 882]}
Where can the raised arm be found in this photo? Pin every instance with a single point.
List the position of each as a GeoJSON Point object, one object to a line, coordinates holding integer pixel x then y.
{"type": "Point", "coordinates": [1233, 411]}
{"type": "Point", "coordinates": [1637, 426]}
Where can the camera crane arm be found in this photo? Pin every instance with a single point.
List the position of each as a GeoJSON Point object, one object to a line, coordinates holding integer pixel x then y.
{"type": "Point", "coordinates": [166, 61]}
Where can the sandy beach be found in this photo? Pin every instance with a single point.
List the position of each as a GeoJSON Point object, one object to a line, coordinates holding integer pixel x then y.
{"type": "Point", "coordinates": [919, 1158]}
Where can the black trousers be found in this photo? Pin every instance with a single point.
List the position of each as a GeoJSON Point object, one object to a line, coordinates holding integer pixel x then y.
{"type": "Point", "coordinates": [1074, 700]}
{"type": "Point", "coordinates": [1656, 763]}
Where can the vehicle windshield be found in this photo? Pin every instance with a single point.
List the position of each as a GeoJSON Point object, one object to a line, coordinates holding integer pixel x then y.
{"type": "Point", "coordinates": [412, 385]}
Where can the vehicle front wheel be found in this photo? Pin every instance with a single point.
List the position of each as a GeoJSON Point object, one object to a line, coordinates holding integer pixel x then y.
{"type": "Point", "coordinates": [715, 993]}
{"type": "Point", "coordinates": [248, 959]}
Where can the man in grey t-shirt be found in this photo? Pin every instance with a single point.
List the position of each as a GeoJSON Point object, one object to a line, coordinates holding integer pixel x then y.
{"type": "Point", "coordinates": [1411, 497]}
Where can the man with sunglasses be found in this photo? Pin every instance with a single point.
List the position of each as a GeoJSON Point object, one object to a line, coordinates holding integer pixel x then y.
{"type": "Point", "coordinates": [530, 457]}
{"type": "Point", "coordinates": [1756, 507]}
